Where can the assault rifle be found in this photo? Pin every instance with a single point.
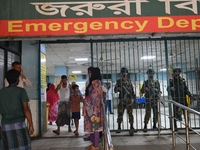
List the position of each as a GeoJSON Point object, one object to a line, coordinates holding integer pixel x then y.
{"type": "Point", "coordinates": [154, 94]}
{"type": "Point", "coordinates": [126, 92]}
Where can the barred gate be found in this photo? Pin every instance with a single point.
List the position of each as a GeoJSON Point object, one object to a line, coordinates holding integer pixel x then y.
{"type": "Point", "coordinates": [137, 56]}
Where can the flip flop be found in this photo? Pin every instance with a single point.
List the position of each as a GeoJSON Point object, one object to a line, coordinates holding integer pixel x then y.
{"type": "Point", "coordinates": [76, 133]}
{"type": "Point", "coordinates": [56, 132]}
{"type": "Point", "coordinates": [93, 148]}
{"type": "Point", "coordinates": [88, 147]}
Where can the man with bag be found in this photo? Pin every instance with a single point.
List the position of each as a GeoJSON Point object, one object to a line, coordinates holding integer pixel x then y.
{"type": "Point", "coordinates": [151, 89]}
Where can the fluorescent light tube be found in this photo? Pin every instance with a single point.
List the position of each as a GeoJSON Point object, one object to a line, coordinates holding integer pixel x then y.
{"type": "Point", "coordinates": [81, 59]}
{"type": "Point", "coordinates": [76, 71]}
{"type": "Point", "coordinates": [148, 57]}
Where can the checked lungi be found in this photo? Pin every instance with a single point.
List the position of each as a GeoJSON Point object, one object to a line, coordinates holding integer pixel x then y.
{"type": "Point", "coordinates": [63, 115]}
{"type": "Point", "coordinates": [15, 137]}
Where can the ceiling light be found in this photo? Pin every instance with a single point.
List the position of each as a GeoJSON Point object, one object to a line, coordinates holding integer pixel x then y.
{"type": "Point", "coordinates": [163, 69]}
{"type": "Point", "coordinates": [148, 57]}
{"type": "Point", "coordinates": [81, 59]}
{"type": "Point", "coordinates": [76, 71]}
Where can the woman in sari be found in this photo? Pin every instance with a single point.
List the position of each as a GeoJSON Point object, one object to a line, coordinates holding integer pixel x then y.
{"type": "Point", "coordinates": [52, 99]}
{"type": "Point", "coordinates": [93, 109]}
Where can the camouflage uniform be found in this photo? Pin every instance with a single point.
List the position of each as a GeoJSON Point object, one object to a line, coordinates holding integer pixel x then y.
{"type": "Point", "coordinates": [151, 99]}
{"type": "Point", "coordinates": [179, 95]}
{"type": "Point", "coordinates": [125, 101]}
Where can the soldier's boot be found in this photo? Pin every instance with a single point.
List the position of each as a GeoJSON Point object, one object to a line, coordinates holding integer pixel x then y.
{"type": "Point", "coordinates": [145, 128]}
{"type": "Point", "coordinates": [132, 128]}
{"type": "Point", "coordinates": [131, 131]}
{"type": "Point", "coordinates": [154, 125]}
{"type": "Point", "coordinates": [119, 128]}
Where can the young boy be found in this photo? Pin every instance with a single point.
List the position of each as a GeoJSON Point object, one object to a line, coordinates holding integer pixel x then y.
{"type": "Point", "coordinates": [14, 109]}
{"type": "Point", "coordinates": [74, 101]}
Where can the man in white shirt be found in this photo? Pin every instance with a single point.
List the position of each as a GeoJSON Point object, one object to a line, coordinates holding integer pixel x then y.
{"type": "Point", "coordinates": [108, 98]}
{"type": "Point", "coordinates": [23, 80]}
{"type": "Point", "coordinates": [63, 111]}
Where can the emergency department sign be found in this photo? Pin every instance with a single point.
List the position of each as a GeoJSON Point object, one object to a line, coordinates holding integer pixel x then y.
{"type": "Point", "coordinates": [33, 18]}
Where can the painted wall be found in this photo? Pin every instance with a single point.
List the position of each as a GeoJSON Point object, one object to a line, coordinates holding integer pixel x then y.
{"type": "Point", "coordinates": [30, 70]}
{"type": "Point", "coordinates": [51, 79]}
{"type": "Point", "coordinates": [61, 70]}
{"type": "Point", "coordinates": [30, 66]}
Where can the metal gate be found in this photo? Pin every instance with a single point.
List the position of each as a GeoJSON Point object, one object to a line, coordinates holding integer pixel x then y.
{"type": "Point", "coordinates": [137, 56]}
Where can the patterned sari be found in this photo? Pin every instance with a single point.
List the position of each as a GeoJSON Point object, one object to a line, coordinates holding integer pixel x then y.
{"type": "Point", "coordinates": [93, 110]}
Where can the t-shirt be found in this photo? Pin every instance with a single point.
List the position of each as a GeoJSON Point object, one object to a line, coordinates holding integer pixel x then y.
{"type": "Point", "coordinates": [75, 101]}
{"type": "Point", "coordinates": [11, 108]}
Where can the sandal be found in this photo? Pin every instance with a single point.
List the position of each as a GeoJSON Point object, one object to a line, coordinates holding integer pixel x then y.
{"type": "Point", "coordinates": [56, 132]}
{"type": "Point", "coordinates": [76, 133]}
{"type": "Point", "coordinates": [88, 147]}
{"type": "Point", "coordinates": [93, 148]}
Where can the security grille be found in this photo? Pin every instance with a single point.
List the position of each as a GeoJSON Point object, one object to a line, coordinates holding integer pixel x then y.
{"type": "Point", "coordinates": [139, 55]}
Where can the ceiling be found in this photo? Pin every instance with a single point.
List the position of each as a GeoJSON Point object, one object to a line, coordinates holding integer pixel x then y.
{"type": "Point", "coordinates": [65, 54]}
{"type": "Point", "coordinates": [114, 55]}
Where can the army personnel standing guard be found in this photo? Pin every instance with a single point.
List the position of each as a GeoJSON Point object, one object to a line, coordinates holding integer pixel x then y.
{"type": "Point", "coordinates": [178, 90]}
{"type": "Point", "coordinates": [126, 93]}
{"type": "Point", "coordinates": [151, 88]}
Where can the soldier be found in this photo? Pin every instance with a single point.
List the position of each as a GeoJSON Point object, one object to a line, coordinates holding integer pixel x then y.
{"type": "Point", "coordinates": [126, 93]}
{"type": "Point", "coordinates": [151, 88]}
{"type": "Point", "coordinates": [178, 90]}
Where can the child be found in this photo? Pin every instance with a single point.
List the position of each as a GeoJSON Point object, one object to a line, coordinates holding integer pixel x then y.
{"type": "Point", "coordinates": [74, 101]}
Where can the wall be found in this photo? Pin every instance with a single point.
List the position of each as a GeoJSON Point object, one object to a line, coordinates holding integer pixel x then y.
{"type": "Point", "coordinates": [30, 63]}
{"type": "Point", "coordinates": [51, 79]}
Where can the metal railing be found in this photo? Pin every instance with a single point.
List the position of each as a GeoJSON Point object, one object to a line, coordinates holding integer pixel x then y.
{"type": "Point", "coordinates": [107, 140]}
{"type": "Point", "coordinates": [187, 128]}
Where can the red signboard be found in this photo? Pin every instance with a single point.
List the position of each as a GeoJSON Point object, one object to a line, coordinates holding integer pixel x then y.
{"type": "Point", "coordinates": [91, 26]}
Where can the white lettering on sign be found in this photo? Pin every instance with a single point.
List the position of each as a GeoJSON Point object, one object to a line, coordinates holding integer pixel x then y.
{"type": "Point", "coordinates": [81, 8]}
{"type": "Point", "coordinates": [184, 4]}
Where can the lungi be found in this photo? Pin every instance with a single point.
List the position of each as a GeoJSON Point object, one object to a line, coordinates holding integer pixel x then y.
{"type": "Point", "coordinates": [63, 115]}
{"type": "Point", "coordinates": [15, 137]}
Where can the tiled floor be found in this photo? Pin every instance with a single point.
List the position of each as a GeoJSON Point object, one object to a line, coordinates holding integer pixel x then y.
{"type": "Point", "coordinates": [122, 141]}
{"type": "Point", "coordinates": [136, 142]}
